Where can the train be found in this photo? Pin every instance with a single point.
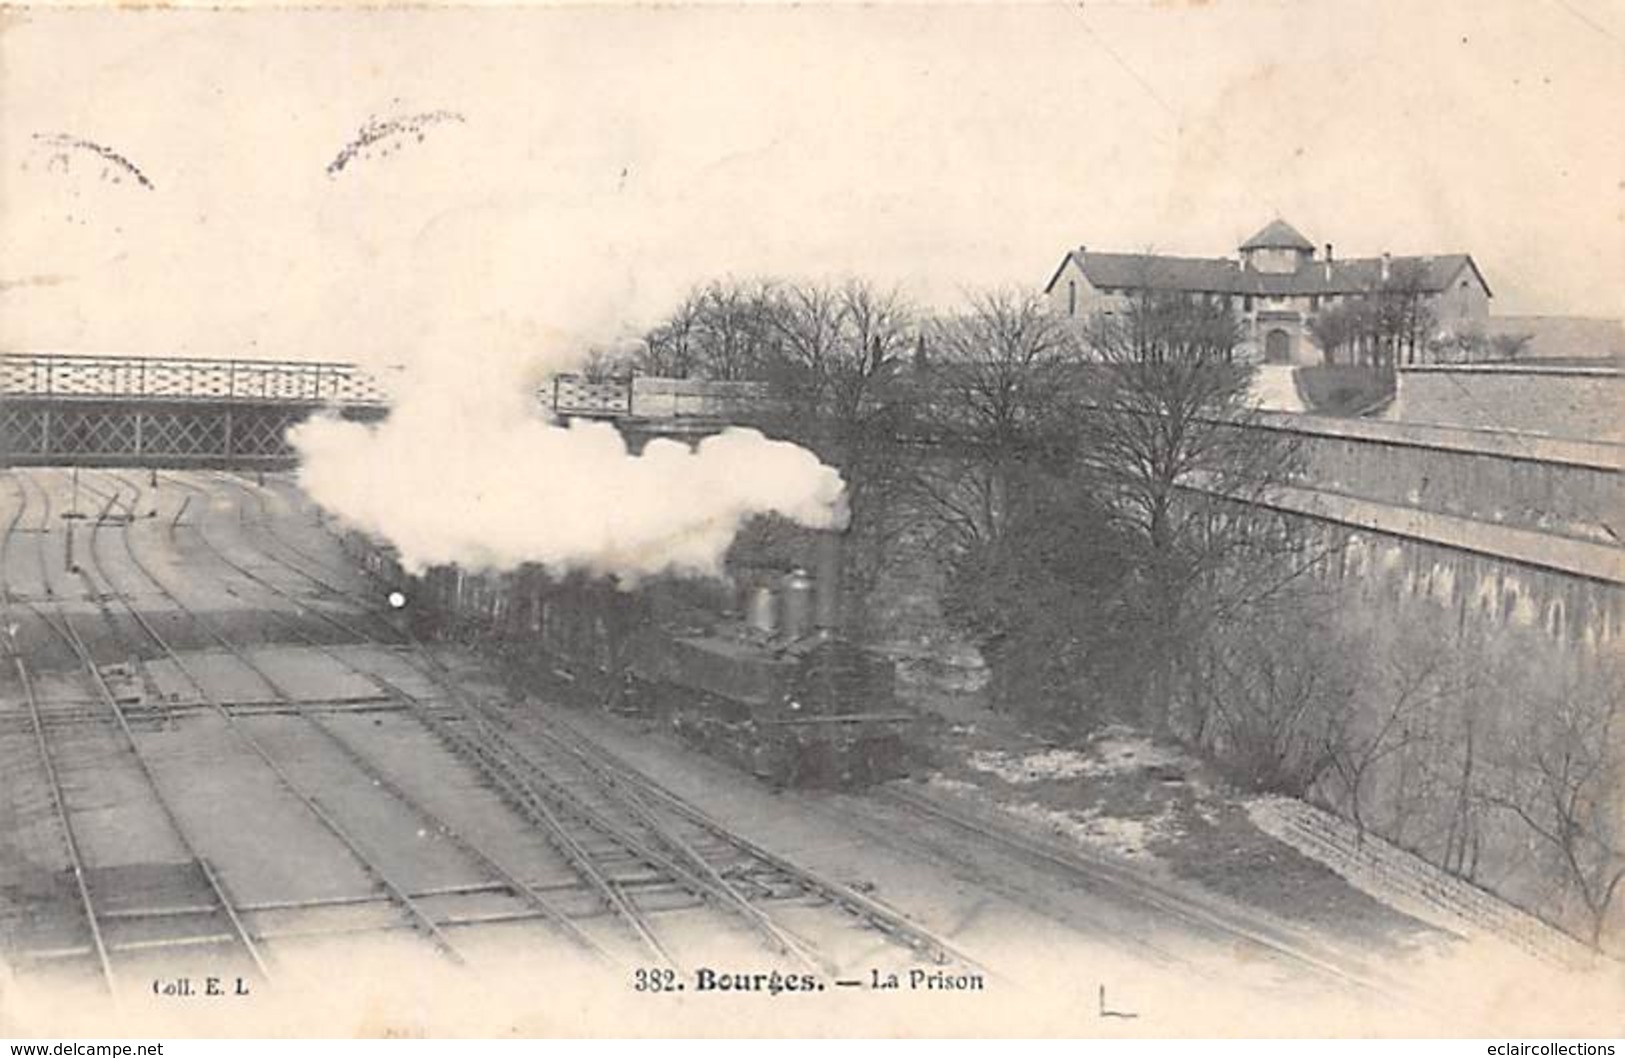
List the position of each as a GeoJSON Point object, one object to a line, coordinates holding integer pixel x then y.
{"type": "Point", "coordinates": [752, 669]}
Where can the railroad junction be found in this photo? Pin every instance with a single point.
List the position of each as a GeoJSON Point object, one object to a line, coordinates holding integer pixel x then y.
{"type": "Point", "coordinates": [234, 767]}
{"type": "Point", "coordinates": [226, 769]}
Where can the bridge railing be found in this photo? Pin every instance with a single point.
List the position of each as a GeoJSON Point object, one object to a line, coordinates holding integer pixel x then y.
{"type": "Point", "coordinates": [75, 377]}
{"type": "Point", "coordinates": [652, 397]}
{"type": "Point", "coordinates": [609, 398]}
{"type": "Point", "coordinates": [72, 376]}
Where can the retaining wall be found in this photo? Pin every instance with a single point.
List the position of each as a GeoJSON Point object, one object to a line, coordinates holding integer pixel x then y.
{"type": "Point", "coordinates": [1487, 677]}
{"type": "Point", "coordinates": [1548, 484]}
{"type": "Point", "coordinates": [1578, 402]}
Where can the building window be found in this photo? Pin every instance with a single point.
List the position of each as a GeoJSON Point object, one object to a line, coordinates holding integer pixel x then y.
{"type": "Point", "coordinates": [1247, 303]}
{"type": "Point", "coordinates": [1314, 302]}
{"type": "Point", "coordinates": [1072, 297]}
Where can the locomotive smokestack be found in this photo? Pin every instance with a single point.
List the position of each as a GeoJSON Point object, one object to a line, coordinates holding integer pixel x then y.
{"type": "Point", "coordinates": [827, 583]}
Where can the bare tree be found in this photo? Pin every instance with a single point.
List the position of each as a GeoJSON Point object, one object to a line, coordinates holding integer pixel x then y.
{"type": "Point", "coordinates": [1404, 315]}
{"type": "Point", "coordinates": [998, 379]}
{"type": "Point", "coordinates": [1162, 438]}
{"type": "Point", "coordinates": [807, 322]}
{"type": "Point", "coordinates": [1564, 785]}
{"type": "Point", "coordinates": [1392, 724]}
{"type": "Point", "coordinates": [833, 358]}
{"type": "Point", "coordinates": [1030, 566]}
{"type": "Point", "coordinates": [671, 347]}
{"type": "Point", "coordinates": [721, 330]}
{"type": "Point", "coordinates": [1462, 834]}
{"type": "Point", "coordinates": [732, 331]}
{"type": "Point", "coordinates": [836, 352]}
{"type": "Point", "coordinates": [1386, 323]}
{"type": "Point", "coordinates": [1271, 716]}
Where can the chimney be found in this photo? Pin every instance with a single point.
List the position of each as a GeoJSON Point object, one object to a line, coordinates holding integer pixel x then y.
{"type": "Point", "coordinates": [1328, 262]}
{"type": "Point", "coordinates": [1387, 265]}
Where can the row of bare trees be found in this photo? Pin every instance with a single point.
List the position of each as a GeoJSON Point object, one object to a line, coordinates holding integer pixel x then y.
{"type": "Point", "coordinates": [1387, 325]}
{"type": "Point", "coordinates": [1395, 322]}
{"type": "Point", "coordinates": [736, 330]}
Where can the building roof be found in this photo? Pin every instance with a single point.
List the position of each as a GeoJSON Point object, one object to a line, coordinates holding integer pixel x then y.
{"type": "Point", "coordinates": [1278, 235]}
{"type": "Point", "coordinates": [1221, 275]}
{"type": "Point", "coordinates": [1158, 271]}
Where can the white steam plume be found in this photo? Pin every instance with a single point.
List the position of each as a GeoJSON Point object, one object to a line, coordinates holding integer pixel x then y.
{"type": "Point", "coordinates": [470, 472]}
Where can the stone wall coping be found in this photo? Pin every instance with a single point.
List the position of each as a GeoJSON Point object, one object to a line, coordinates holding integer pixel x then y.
{"type": "Point", "coordinates": [1502, 444]}
{"type": "Point", "coordinates": [1409, 883]}
{"type": "Point", "coordinates": [1601, 371]}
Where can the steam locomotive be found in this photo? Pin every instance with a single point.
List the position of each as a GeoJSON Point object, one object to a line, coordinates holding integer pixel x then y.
{"type": "Point", "coordinates": [755, 673]}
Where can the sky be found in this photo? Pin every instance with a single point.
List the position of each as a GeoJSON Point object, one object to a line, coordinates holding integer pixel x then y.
{"type": "Point", "coordinates": [559, 176]}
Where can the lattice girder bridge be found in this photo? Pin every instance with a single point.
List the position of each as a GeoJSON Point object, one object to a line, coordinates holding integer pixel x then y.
{"type": "Point", "coordinates": [58, 409]}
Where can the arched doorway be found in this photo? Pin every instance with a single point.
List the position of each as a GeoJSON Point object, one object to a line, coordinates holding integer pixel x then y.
{"type": "Point", "coordinates": [1278, 347]}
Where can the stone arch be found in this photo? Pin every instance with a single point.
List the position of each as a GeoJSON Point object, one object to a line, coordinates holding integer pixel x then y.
{"type": "Point", "coordinates": [1278, 346]}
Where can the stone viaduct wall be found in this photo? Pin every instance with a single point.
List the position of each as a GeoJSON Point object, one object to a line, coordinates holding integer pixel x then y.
{"type": "Point", "coordinates": [1512, 644]}
{"type": "Point", "coordinates": [1553, 485]}
{"type": "Point", "coordinates": [1472, 576]}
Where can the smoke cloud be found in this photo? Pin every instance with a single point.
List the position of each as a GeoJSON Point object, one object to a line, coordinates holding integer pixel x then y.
{"type": "Point", "coordinates": [467, 470]}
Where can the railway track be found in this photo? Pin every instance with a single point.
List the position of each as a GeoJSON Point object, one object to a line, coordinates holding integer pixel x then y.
{"type": "Point", "coordinates": [1270, 939]}
{"type": "Point", "coordinates": [601, 816]}
{"type": "Point", "coordinates": [583, 851]}
{"type": "Point", "coordinates": [489, 875]}
{"type": "Point", "coordinates": [637, 862]}
{"type": "Point", "coordinates": [703, 842]}
{"type": "Point", "coordinates": [103, 925]}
